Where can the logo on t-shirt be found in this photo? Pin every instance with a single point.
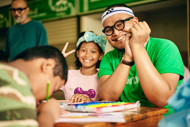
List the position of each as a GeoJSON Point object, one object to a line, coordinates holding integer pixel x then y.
{"type": "Point", "coordinates": [133, 80]}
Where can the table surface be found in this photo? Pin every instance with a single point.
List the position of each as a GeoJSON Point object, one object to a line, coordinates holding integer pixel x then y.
{"type": "Point", "coordinates": [136, 117]}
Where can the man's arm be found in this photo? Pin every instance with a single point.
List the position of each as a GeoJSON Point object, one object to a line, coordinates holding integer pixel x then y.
{"type": "Point", "coordinates": [157, 87]}
{"type": "Point", "coordinates": [111, 86]}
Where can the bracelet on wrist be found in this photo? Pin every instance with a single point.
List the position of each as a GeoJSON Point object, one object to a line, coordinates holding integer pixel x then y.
{"type": "Point", "coordinates": [127, 62]}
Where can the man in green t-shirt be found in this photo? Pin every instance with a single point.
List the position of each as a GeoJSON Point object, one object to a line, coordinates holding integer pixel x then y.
{"type": "Point", "coordinates": [140, 68]}
{"type": "Point", "coordinates": [23, 85]}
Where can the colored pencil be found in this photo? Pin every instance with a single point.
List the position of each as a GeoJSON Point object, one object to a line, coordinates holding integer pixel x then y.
{"type": "Point", "coordinates": [47, 91]}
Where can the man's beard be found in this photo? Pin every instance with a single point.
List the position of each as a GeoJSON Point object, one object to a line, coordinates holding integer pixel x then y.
{"type": "Point", "coordinates": [20, 20]}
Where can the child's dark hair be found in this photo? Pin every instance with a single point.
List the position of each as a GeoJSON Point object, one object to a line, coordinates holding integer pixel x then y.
{"type": "Point", "coordinates": [77, 62]}
{"type": "Point", "coordinates": [47, 52]}
{"type": "Point", "coordinates": [116, 5]}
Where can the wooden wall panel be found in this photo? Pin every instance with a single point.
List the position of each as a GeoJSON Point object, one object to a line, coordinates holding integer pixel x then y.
{"type": "Point", "coordinates": [61, 31]}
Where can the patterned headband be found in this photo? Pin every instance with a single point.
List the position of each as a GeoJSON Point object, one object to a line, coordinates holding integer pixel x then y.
{"type": "Point", "coordinates": [89, 36]}
{"type": "Point", "coordinates": [116, 10]}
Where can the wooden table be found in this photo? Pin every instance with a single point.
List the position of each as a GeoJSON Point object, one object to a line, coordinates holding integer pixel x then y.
{"type": "Point", "coordinates": [136, 117]}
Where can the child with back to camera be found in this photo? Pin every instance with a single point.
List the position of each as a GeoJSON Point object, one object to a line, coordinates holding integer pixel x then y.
{"type": "Point", "coordinates": [82, 84]}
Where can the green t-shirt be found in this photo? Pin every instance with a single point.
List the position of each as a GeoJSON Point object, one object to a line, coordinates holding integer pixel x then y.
{"type": "Point", "coordinates": [164, 55]}
{"type": "Point", "coordinates": [17, 102]}
{"type": "Point", "coordinates": [22, 37]}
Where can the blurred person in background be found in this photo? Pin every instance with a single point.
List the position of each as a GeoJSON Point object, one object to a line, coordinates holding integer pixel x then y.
{"type": "Point", "coordinates": [26, 33]}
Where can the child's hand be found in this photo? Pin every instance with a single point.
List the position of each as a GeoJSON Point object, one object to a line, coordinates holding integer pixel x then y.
{"type": "Point", "coordinates": [51, 107]}
{"type": "Point", "coordinates": [80, 98]}
{"type": "Point", "coordinates": [65, 48]}
{"type": "Point", "coordinates": [48, 112]}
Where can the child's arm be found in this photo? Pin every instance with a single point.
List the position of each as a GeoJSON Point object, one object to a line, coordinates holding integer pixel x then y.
{"type": "Point", "coordinates": [80, 98]}
{"type": "Point", "coordinates": [64, 50]}
{"type": "Point", "coordinates": [48, 112]}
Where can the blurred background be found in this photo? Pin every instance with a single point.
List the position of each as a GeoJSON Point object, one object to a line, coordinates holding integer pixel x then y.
{"type": "Point", "coordinates": [65, 19]}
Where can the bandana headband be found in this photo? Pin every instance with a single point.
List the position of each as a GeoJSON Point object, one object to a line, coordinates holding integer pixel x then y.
{"type": "Point", "coordinates": [116, 10]}
{"type": "Point", "coordinates": [89, 36]}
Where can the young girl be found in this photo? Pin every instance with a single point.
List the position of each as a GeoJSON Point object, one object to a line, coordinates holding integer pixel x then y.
{"type": "Point", "coordinates": [82, 84]}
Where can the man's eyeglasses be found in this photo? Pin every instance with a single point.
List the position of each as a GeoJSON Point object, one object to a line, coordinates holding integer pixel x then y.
{"type": "Point", "coordinates": [19, 10]}
{"type": "Point", "coordinates": [119, 25]}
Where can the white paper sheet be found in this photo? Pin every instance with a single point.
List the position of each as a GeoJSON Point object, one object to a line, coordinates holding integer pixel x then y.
{"type": "Point", "coordinates": [76, 117]}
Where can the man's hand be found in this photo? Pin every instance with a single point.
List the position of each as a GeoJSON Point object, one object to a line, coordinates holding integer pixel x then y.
{"type": "Point", "coordinates": [128, 53]}
{"type": "Point", "coordinates": [64, 50]}
{"type": "Point", "coordinates": [140, 34]}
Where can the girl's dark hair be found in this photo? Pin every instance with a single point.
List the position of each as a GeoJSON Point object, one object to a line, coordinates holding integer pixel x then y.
{"type": "Point", "coordinates": [116, 5]}
{"type": "Point", "coordinates": [77, 61]}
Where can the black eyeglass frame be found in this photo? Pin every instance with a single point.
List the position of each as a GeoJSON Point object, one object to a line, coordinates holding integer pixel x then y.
{"type": "Point", "coordinates": [17, 9]}
{"type": "Point", "coordinates": [123, 21]}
